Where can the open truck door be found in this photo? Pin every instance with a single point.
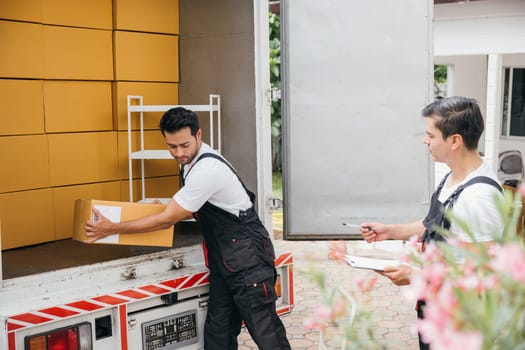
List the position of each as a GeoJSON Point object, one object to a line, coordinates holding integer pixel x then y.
{"type": "Point", "coordinates": [355, 77]}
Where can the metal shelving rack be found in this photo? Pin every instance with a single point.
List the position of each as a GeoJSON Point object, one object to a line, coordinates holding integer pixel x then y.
{"type": "Point", "coordinates": [136, 105]}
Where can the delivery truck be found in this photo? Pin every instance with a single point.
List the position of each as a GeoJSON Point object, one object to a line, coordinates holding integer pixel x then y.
{"type": "Point", "coordinates": [83, 85]}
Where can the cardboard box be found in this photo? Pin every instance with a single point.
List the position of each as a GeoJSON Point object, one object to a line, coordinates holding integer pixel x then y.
{"type": "Point", "coordinates": [64, 202]}
{"type": "Point", "coordinates": [27, 218]}
{"type": "Point", "coordinates": [87, 14]}
{"type": "Point", "coordinates": [22, 47]}
{"type": "Point", "coordinates": [21, 100]}
{"type": "Point", "coordinates": [27, 10]}
{"type": "Point", "coordinates": [24, 162]}
{"type": "Point", "coordinates": [152, 93]}
{"type": "Point", "coordinates": [122, 211]}
{"type": "Point", "coordinates": [153, 139]}
{"type": "Point", "coordinates": [77, 53]}
{"type": "Point", "coordinates": [94, 158]}
{"type": "Point", "coordinates": [73, 106]}
{"type": "Point", "coordinates": [146, 57]}
{"type": "Point", "coordinates": [158, 16]}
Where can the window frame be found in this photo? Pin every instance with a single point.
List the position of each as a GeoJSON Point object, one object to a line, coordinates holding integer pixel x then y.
{"type": "Point", "coordinates": [506, 118]}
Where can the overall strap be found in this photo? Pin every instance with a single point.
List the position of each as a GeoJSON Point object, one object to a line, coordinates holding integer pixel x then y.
{"type": "Point", "coordinates": [439, 218]}
{"type": "Point", "coordinates": [441, 184]}
{"type": "Point", "coordinates": [449, 203]}
{"type": "Point", "coordinates": [218, 157]}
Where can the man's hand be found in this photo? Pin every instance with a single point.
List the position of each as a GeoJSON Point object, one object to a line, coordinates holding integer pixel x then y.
{"type": "Point", "coordinates": [399, 275]}
{"type": "Point", "coordinates": [374, 231]}
{"type": "Point", "coordinates": [100, 228]}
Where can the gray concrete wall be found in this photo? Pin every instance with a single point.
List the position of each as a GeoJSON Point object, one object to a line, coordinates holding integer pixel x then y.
{"type": "Point", "coordinates": [217, 56]}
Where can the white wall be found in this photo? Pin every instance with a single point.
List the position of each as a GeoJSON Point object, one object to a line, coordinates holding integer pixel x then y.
{"type": "Point", "coordinates": [469, 76]}
{"type": "Point", "coordinates": [465, 36]}
{"type": "Point", "coordinates": [480, 27]}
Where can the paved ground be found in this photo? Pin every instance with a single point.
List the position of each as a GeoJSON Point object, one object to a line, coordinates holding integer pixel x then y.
{"type": "Point", "coordinates": [394, 315]}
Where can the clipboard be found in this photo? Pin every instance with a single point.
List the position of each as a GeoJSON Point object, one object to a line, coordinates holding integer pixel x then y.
{"type": "Point", "coordinates": [360, 262]}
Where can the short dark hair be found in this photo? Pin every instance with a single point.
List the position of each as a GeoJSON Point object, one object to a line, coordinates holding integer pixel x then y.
{"type": "Point", "coordinates": [457, 115]}
{"type": "Point", "coordinates": [178, 118]}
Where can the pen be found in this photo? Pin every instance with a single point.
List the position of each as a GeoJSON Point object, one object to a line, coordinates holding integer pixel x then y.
{"type": "Point", "coordinates": [358, 227]}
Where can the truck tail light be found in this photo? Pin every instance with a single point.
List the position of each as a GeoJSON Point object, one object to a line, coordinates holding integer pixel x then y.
{"type": "Point", "coordinates": [76, 337]}
{"type": "Point", "coordinates": [278, 286]}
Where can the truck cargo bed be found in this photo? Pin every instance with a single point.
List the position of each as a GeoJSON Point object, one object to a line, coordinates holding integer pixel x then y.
{"type": "Point", "coordinates": [69, 253]}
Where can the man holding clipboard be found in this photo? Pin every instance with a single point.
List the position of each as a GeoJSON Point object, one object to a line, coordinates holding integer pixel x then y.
{"type": "Point", "coordinates": [453, 128]}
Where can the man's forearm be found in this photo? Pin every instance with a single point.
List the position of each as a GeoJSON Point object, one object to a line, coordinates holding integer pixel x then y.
{"type": "Point", "coordinates": [170, 216]}
{"type": "Point", "coordinates": [145, 224]}
{"type": "Point", "coordinates": [405, 231]}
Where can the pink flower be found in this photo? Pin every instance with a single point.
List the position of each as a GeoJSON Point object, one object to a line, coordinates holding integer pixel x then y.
{"type": "Point", "coordinates": [455, 340]}
{"type": "Point", "coordinates": [477, 283]}
{"type": "Point", "coordinates": [509, 259]}
{"type": "Point", "coordinates": [447, 300]}
{"type": "Point", "coordinates": [365, 285]}
{"type": "Point", "coordinates": [418, 288]}
{"type": "Point", "coordinates": [414, 244]}
{"type": "Point", "coordinates": [439, 329]}
{"type": "Point", "coordinates": [339, 308]}
{"type": "Point", "coordinates": [311, 323]}
{"type": "Point", "coordinates": [414, 240]}
{"type": "Point", "coordinates": [432, 253]}
{"type": "Point", "coordinates": [324, 313]}
{"type": "Point", "coordinates": [430, 332]}
{"type": "Point", "coordinates": [469, 283]}
{"type": "Point", "coordinates": [337, 251]}
{"type": "Point", "coordinates": [404, 258]}
{"type": "Point", "coordinates": [434, 275]}
{"type": "Point", "coordinates": [490, 282]}
{"type": "Point", "coordinates": [436, 315]}
{"type": "Point", "coordinates": [522, 189]}
{"type": "Point", "coordinates": [469, 268]}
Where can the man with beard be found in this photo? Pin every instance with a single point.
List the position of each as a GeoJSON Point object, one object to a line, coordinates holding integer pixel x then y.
{"type": "Point", "coordinates": [238, 248]}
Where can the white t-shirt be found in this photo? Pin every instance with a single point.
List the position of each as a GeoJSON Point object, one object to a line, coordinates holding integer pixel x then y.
{"type": "Point", "coordinates": [476, 206]}
{"type": "Point", "coordinates": [210, 180]}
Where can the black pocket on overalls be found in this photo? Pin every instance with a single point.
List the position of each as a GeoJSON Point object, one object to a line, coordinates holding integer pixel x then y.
{"type": "Point", "coordinates": [260, 283]}
{"type": "Point", "coordinates": [239, 254]}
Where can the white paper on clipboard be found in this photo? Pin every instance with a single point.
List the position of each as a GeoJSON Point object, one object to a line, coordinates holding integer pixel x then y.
{"type": "Point", "coordinates": [113, 213]}
{"type": "Point", "coordinates": [370, 263]}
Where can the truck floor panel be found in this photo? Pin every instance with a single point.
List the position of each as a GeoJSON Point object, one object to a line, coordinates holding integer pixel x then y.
{"type": "Point", "coordinates": [69, 253]}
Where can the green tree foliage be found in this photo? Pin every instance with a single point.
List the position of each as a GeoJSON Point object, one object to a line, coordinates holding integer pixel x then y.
{"type": "Point", "coordinates": [440, 80]}
{"type": "Point", "coordinates": [275, 81]}
{"type": "Point", "coordinates": [440, 73]}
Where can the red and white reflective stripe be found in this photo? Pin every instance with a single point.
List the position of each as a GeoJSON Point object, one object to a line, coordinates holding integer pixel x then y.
{"type": "Point", "coordinates": [284, 259]}
{"type": "Point", "coordinates": [81, 307]}
{"type": "Point", "coordinates": [186, 282]}
{"type": "Point", "coordinates": [121, 299]}
{"type": "Point", "coordinates": [281, 310]}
